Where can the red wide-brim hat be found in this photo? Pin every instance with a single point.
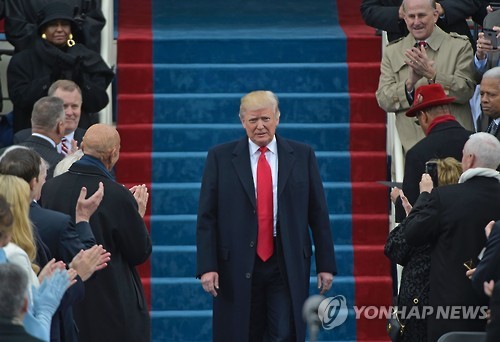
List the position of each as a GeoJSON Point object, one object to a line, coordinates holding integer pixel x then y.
{"type": "Point", "coordinates": [429, 95]}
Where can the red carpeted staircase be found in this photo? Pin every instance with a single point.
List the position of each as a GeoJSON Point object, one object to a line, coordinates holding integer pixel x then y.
{"type": "Point", "coordinates": [182, 67]}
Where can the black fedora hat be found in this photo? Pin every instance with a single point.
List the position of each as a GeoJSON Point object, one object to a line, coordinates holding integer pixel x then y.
{"type": "Point", "coordinates": [55, 11]}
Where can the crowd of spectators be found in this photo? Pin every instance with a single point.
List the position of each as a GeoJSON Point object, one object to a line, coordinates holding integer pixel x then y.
{"type": "Point", "coordinates": [67, 257]}
{"type": "Point", "coordinates": [444, 88]}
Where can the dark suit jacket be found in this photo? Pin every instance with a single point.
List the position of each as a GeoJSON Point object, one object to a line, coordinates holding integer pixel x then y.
{"type": "Point", "coordinates": [489, 266]}
{"type": "Point", "coordinates": [24, 134]}
{"type": "Point", "coordinates": [227, 230]}
{"type": "Point", "coordinates": [46, 151]}
{"type": "Point", "coordinates": [384, 15]}
{"type": "Point", "coordinates": [493, 327]}
{"type": "Point", "coordinates": [57, 230]}
{"type": "Point", "coordinates": [118, 226]}
{"type": "Point", "coordinates": [446, 139]}
{"type": "Point", "coordinates": [64, 241]}
{"type": "Point", "coordinates": [15, 333]}
{"type": "Point", "coordinates": [453, 223]}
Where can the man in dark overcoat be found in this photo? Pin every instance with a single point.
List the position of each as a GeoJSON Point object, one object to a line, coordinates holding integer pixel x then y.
{"type": "Point", "coordinates": [453, 221]}
{"type": "Point", "coordinates": [259, 296]}
{"type": "Point", "coordinates": [114, 308]}
{"type": "Point", "coordinates": [444, 137]}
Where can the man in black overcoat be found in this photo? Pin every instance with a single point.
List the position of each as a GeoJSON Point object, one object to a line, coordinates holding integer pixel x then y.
{"type": "Point", "coordinates": [453, 221]}
{"type": "Point", "coordinates": [254, 255]}
{"type": "Point", "coordinates": [114, 308]}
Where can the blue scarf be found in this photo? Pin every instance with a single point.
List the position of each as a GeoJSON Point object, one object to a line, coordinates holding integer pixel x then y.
{"type": "Point", "coordinates": [92, 161]}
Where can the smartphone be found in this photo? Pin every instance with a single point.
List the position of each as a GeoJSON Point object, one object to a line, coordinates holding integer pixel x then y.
{"type": "Point", "coordinates": [492, 36]}
{"type": "Point", "coordinates": [431, 168]}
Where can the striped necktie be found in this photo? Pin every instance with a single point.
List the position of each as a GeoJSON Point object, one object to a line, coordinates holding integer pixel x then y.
{"type": "Point", "coordinates": [492, 128]}
{"type": "Point", "coordinates": [64, 147]}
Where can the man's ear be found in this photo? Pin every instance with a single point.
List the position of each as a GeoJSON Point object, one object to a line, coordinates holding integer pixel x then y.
{"type": "Point", "coordinates": [24, 308]}
{"type": "Point", "coordinates": [33, 182]}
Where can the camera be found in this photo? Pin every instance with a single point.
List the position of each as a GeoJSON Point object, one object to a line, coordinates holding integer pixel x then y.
{"type": "Point", "coordinates": [492, 36]}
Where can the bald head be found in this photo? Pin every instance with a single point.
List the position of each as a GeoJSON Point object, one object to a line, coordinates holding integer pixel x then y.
{"type": "Point", "coordinates": [102, 141]}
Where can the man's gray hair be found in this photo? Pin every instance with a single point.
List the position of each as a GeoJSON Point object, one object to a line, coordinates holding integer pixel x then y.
{"type": "Point", "coordinates": [492, 73]}
{"type": "Point", "coordinates": [486, 148]}
{"type": "Point", "coordinates": [47, 112]}
{"type": "Point", "coordinates": [13, 290]}
{"type": "Point", "coordinates": [432, 2]}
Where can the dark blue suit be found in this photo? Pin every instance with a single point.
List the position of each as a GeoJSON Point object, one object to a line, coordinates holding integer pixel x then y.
{"type": "Point", "coordinates": [46, 151]}
{"type": "Point", "coordinates": [24, 134]}
{"type": "Point", "coordinates": [489, 267]}
{"type": "Point", "coordinates": [64, 240]}
{"type": "Point", "coordinates": [227, 230]}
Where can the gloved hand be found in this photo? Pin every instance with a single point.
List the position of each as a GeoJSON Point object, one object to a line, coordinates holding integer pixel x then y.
{"type": "Point", "coordinates": [47, 297]}
{"type": "Point", "coordinates": [44, 302]}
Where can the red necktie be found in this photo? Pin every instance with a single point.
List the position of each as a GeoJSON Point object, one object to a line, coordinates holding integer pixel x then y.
{"type": "Point", "coordinates": [265, 215]}
{"type": "Point", "coordinates": [64, 148]}
{"type": "Point", "coordinates": [421, 43]}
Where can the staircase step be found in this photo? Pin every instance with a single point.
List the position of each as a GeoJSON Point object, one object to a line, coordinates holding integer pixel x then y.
{"type": "Point", "coordinates": [200, 137]}
{"type": "Point", "coordinates": [181, 47]}
{"type": "Point", "coordinates": [187, 293]}
{"type": "Point", "coordinates": [223, 108]}
{"type": "Point", "coordinates": [180, 230]}
{"type": "Point", "coordinates": [182, 198]}
{"type": "Point", "coordinates": [180, 261]}
{"type": "Point", "coordinates": [238, 78]}
{"type": "Point", "coordinates": [241, 78]}
{"type": "Point", "coordinates": [185, 167]}
{"type": "Point", "coordinates": [195, 325]}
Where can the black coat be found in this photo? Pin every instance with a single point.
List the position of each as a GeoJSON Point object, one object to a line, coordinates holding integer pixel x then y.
{"type": "Point", "coordinates": [46, 151]}
{"type": "Point", "coordinates": [414, 280]}
{"type": "Point", "coordinates": [57, 230]}
{"type": "Point", "coordinates": [31, 72]}
{"type": "Point", "coordinates": [21, 22]}
{"type": "Point", "coordinates": [227, 230]}
{"type": "Point", "coordinates": [453, 222]}
{"type": "Point", "coordinates": [383, 15]}
{"type": "Point", "coordinates": [10, 332]}
{"type": "Point", "coordinates": [446, 139]}
{"type": "Point", "coordinates": [114, 308]}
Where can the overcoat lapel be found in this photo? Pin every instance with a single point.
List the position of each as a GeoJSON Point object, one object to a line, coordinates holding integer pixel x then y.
{"type": "Point", "coordinates": [241, 162]}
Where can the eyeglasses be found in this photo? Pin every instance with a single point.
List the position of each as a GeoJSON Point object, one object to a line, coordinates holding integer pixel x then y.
{"type": "Point", "coordinates": [417, 122]}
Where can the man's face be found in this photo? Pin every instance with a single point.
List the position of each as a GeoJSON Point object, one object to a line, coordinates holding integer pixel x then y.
{"type": "Point", "coordinates": [260, 125]}
{"type": "Point", "coordinates": [490, 97]}
{"type": "Point", "coordinates": [72, 108]}
{"type": "Point", "coordinates": [420, 18]}
{"type": "Point", "coordinates": [37, 191]}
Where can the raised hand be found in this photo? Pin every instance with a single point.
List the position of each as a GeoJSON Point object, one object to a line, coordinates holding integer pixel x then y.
{"type": "Point", "coordinates": [85, 208]}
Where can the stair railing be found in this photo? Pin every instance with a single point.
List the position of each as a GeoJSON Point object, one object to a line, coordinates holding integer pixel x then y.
{"type": "Point", "coordinates": [394, 150]}
{"type": "Point", "coordinates": [108, 53]}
